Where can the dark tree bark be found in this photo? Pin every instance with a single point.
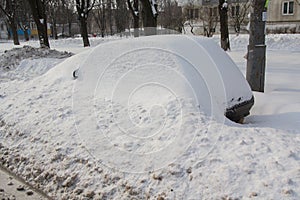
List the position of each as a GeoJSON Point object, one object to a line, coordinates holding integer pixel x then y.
{"type": "Point", "coordinates": [110, 17]}
{"type": "Point", "coordinates": [70, 28]}
{"type": "Point", "coordinates": [10, 11]}
{"type": "Point", "coordinates": [149, 14]}
{"type": "Point", "coordinates": [39, 16]}
{"type": "Point", "coordinates": [223, 8]}
{"type": "Point", "coordinates": [83, 8]}
{"type": "Point", "coordinates": [84, 31]}
{"type": "Point", "coordinates": [55, 30]}
{"type": "Point", "coordinates": [103, 22]}
{"type": "Point", "coordinates": [136, 16]}
{"type": "Point", "coordinates": [256, 57]}
{"type": "Point", "coordinates": [14, 31]}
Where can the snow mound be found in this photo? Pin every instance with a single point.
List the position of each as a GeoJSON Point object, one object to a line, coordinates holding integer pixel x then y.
{"type": "Point", "coordinates": [39, 139]}
{"type": "Point", "coordinates": [12, 58]}
{"type": "Point", "coordinates": [286, 42]}
{"type": "Point", "coordinates": [28, 62]}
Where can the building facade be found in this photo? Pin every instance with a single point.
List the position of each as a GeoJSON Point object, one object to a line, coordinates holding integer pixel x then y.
{"type": "Point", "coordinates": [202, 16]}
{"type": "Point", "coordinates": [283, 16]}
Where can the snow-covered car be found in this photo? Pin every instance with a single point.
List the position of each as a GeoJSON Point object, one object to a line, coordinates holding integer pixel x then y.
{"type": "Point", "coordinates": [186, 67]}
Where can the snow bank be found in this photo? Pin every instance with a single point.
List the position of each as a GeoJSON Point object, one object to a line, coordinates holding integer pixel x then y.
{"type": "Point", "coordinates": [11, 58]}
{"type": "Point", "coordinates": [286, 42]}
{"type": "Point", "coordinates": [74, 45]}
{"type": "Point", "coordinates": [28, 62]}
{"type": "Point", "coordinates": [40, 142]}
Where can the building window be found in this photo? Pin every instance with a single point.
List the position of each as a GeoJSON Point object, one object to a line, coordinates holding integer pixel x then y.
{"type": "Point", "coordinates": [196, 13]}
{"type": "Point", "coordinates": [288, 7]}
{"type": "Point", "coordinates": [235, 11]}
{"type": "Point", "coordinates": [215, 11]}
{"type": "Point", "coordinates": [191, 13]}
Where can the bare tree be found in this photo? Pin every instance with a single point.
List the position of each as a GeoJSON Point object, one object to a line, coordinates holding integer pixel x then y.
{"type": "Point", "coordinates": [223, 8]}
{"type": "Point", "coordinates": [53, 9]}
{"type": "Point", "coordinates": [38, 10]}
{"type": "Point", "coordinates": [238, 13]}
{"type": "Point", "coordinates": [171, 16]}
{"type": "Point", "coordinates": [69, 13]}
{"type": "Point", "coordinates": [209, 18]}
{"type": "Point", "coordinates": [83, 8]}
{"type": "Point", "coordinates": [99, 15]}
{"type": "Point", "coordinates": [133, 6]}
{"type": "Point", "coordinates": [9, 8]}
{"type": "Point", "coordinates": [190, 15]}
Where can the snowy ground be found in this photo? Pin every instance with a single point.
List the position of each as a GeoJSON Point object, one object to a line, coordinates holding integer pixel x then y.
{"type": "Point", "coordinates": [259, 159]}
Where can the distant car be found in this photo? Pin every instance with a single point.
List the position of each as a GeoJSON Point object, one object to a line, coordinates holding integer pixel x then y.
{"type": "Point", "coordinates": [203, 71]}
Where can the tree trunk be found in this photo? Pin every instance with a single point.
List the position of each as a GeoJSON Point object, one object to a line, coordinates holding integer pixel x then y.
{"type": "Point", "coordinates": [70, 29]}
{"type": "Point", "coordinates": [54, 30]}
{"type": "Point", "coordinates": [135, 14]}
{"type": "Point", "coordinates": [256, 57]}
{"type": "Point", "coordinates": [149, 20]}
{"type": "Point", "coordinates": [224, 25]}
{"type": "Point", "coordinates": [42, 32]}
{"type": "Point", "coordinates": [40, 19]}
{"type": "Point", "coordinates": [84, 32]}
{"type": "Point", "coordinates": [136, 26]}
{"type": "Point", "coordinates": [14, 32]}
{"type": "Point", "coordinates": [110, 17]}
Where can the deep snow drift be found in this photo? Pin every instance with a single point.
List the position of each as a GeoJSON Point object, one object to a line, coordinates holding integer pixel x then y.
{"type": "Point", "coordinates": [40, 142]}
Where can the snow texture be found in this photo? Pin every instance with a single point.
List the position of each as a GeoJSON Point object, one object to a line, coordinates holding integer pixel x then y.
{"type": "Point", "coordinates": [42, 137]}
{"type": "Point", "coordinates": [20, 63]}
